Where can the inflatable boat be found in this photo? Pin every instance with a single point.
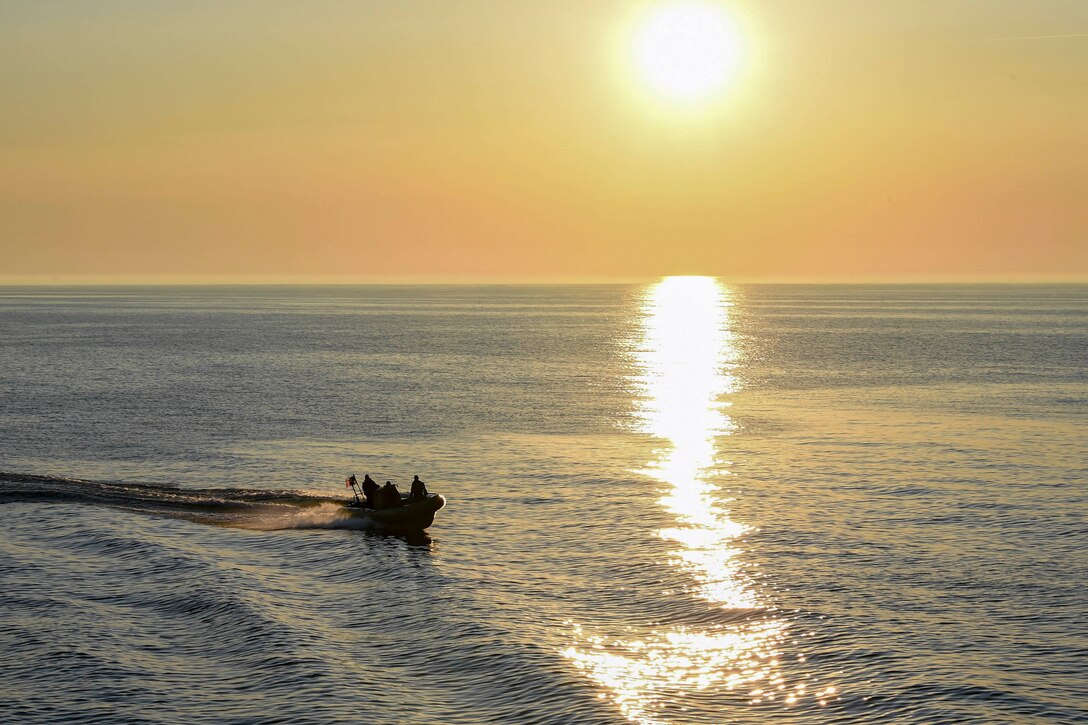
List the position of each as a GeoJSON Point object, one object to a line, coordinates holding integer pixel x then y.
{"type": "Point", "coordinates": [409, 516]}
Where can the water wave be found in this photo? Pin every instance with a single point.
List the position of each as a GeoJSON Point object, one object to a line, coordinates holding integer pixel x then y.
{"type": "Point", "coordinates": [254, 508]}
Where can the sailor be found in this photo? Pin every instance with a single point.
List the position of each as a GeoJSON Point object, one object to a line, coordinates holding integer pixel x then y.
{"type": "Point", "coordinates": [390, 496]}
{"type": "Point", "coordinates": [370, 490]}
{"type": "Point", "coordinates": [419, 490]}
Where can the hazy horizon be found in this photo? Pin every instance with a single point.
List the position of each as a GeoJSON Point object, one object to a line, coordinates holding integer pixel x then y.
{"type": "Point", "coordinates": [212, 281]}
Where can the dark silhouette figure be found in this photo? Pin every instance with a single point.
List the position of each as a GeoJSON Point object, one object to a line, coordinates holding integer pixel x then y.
{"type": "Point", "coordinates": [370, 492]}
{"type": "Point", "coordinates": [419, 490]}
{"type": "Point", "coordinates": [390, 496]}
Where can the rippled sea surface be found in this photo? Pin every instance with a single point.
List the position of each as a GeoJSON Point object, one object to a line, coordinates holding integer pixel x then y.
{"type": "Point", "coordinates": [682, 502]}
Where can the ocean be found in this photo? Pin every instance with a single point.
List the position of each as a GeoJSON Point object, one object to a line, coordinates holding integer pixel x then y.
{"type": "Point", "coordinates": [676, 502]}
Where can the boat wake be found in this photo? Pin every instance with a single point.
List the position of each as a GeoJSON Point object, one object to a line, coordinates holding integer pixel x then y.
{"type": "Point", "coordinates": [244, 508]}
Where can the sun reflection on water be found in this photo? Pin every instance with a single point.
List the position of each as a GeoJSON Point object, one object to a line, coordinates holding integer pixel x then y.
{"type": "Point", "coordinates": [685, 356]}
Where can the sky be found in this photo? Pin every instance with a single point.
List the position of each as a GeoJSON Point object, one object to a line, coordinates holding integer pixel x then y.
{"type": "Point", "coordinates": [446, 139]}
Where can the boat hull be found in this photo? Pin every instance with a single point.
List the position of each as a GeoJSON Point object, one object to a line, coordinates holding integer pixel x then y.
{"type": "Point", "coordinates": [409, 516]}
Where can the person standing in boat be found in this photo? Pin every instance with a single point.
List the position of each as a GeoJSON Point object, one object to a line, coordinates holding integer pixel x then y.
{"type": "Point", "coordinates": [390, 496]}
{"type": "Point", "coordinates": [370, 492]}
{"type": "Point", "coordinates": [419, 490]}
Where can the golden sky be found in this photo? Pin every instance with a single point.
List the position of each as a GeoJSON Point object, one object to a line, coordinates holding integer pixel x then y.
{"type": "Point", "coordinates": [857, 139]}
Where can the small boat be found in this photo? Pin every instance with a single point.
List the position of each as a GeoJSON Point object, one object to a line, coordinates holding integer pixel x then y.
{"type": "Point", "coordinates": [409, 516]}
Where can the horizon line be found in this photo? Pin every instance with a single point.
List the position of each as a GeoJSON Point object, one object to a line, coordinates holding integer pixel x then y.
{"type": "Point", "coordinates": [408, 280]}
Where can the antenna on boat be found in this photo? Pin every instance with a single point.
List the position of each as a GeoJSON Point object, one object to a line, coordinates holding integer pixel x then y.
{"type": "Point", "coordinates": [351, 482]}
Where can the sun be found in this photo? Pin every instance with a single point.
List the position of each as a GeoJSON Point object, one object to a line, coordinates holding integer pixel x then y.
{"type": "Point", "coordinates": [686, 51]}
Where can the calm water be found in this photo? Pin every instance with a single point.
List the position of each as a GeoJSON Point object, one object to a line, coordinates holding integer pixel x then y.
{"type": "Point", "coordinates": [675, 503]}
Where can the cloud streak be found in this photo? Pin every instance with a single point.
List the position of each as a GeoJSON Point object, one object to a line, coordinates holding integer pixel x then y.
{"type": "Point", "coordinates": [1035, 37]}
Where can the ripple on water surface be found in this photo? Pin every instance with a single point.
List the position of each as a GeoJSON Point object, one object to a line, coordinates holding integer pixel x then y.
{"type": "Point", "coordinates": [681, 503]}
